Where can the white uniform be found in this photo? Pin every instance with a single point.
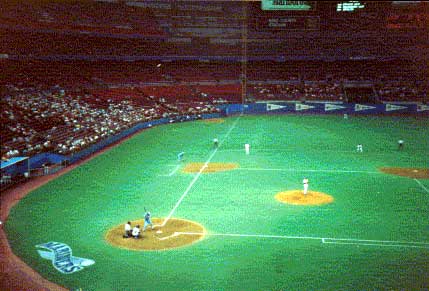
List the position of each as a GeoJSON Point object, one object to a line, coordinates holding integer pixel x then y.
{"type": "Point", "coordinates": [359, 148]}
{"type": "Point", "coordinates": [247, 148]}
{"type": "Point", "coordinates": [400, 143]}
{"type": "Point", "coordinates": [128, 230]}
{"type": "Point", "coordinates": [136, 232]}
{"type": "Point", "coordinates": [305, 184]}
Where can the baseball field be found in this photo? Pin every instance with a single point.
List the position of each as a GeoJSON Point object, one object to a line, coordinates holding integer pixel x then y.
{"type": "Point", "coordinates": [227, 220]}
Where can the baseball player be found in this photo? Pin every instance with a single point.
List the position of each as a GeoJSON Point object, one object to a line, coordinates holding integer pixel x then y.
{"type": "Point", "coordinates": [305, 184]}
{"type": "Point", "coordinates": [128, 231]}
{"type": "Point", "coordinates": [215, 142]}
{"type": "Point", "coordinates": [359, 148]}
{"type": "Point", "coordinates": [400, 144]}
{"type": "Point", "coordinates": [136, 231]}
{"type": "Point", "coordinates": [247, 148]}
{"type": "Point", "coordinates": [147, 221]}
{"type": "Point", "coordinates": [180, 156]}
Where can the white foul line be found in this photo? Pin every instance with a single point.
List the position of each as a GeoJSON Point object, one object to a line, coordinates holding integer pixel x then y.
{"type": "Point", "coordinates": [167, 237]}
{"type": "Point", "coordinates": [421, 185]}
{"type": "Point", "coordinates": [199, 174]}
{"type": "Point", "coordinates": [378, 245]}
{"type": "Point", "coordinates": [297, 170]}
{"type": "Point", "coordinates": [324, 240]}
{"type": "Point", "coordinates": [174, 171]}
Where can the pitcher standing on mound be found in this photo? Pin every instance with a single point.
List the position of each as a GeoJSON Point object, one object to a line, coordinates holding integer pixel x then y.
{"type": "Point", "coordinates": [305, 184]}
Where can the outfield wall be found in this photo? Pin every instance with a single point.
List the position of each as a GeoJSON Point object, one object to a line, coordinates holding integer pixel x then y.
{"type": "Point", "coordinates": [315, 107]}
{"type": "Point", "coordinates": [37, 162]}
{"type": "Point", "coordinates": [267, 107]}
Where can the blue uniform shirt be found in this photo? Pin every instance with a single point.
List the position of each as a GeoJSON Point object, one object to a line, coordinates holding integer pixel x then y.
{"type": "Point", "coordinates": [147, 217]}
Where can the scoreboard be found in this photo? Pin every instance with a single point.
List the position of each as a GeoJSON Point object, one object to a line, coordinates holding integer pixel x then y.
{"type": "Point", "coordinates": [286, 5]}
{"type": "Point", "coordinates": [273, 23]}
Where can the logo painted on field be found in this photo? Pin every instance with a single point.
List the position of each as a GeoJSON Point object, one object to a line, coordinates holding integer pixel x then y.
{"type": "Point", "coordinates": [330, 107]}
{"type": "Point", "coordinates": [393, 107]}
{"type": "Point", "coordinates": [61, 256]}
{"type": "Point", "coordinates": [421, 107]}
{"type": "Point", "coordinates": [271, 107]}
{"type": "Point", "coordinates": [360, 107]}
{"type": "Point", "coordinates": [300, 107]}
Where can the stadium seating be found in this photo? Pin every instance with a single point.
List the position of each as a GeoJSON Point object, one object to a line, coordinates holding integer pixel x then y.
{"type": "Point", "coordinates": [74, 78]}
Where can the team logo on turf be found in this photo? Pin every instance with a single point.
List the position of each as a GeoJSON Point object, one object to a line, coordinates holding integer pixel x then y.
{"type": "Point", "coordinates": [61, 256]}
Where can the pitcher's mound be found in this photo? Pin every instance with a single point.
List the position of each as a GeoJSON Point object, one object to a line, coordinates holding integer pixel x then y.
{"type": "Point", "coordinates": [176, 233]}
{"type": "Point", "coordinates": [296, 197]}
{"type": "Point", "coordinates": [407, 172]}
{"type": "Point", "coordinates": [211, 167]}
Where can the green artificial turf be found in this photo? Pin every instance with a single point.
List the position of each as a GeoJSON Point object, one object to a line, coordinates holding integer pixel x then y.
{"type": "Point", "coordinates": [80, 206]}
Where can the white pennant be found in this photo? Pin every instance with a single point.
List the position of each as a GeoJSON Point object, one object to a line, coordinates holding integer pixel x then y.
{"type": "Point", "coordinates": [299, 107]}
{"type": "Point", "coordinates": [271, 107]}
{"type": "Point", "coordinates": [421, 107]}
{"type": "Point", "coordinates": [393, 107]}
{"type": "Point", "coordinates": [360, 107]}
{"type": "Point", "coordinates": [330, 107]}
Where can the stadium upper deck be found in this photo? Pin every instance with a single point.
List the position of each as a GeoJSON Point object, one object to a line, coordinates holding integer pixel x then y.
{"type": "Point", "coordinates": [119, 29]}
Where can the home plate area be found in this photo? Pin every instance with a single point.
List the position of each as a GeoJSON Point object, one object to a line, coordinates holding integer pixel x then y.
{"type": "Point", "coordinates": [175, 233]}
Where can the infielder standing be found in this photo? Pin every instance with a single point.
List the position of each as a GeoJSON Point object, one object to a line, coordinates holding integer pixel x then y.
{"type": "Point", "coordinates": [305, 184]}
{"type": "Point", "coordinates": [180, 156]}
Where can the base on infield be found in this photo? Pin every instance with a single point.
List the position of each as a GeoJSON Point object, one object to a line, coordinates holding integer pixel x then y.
{"type": "Point", "coordinates": [211, 167]}
{"type": "Point", "coordinates": [414, 173]}
{"type": "Point", "coordinates": [176, 233]}
{"type": "Point", "coordinates": [297, 197]}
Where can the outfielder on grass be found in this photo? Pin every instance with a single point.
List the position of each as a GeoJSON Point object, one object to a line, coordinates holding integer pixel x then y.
{"type": "Point", "coordinates": [400, 144]}
{"type": "Point", "coordinates": [359, 148]}
{"type": "Point", "coordinates": [147, 221]}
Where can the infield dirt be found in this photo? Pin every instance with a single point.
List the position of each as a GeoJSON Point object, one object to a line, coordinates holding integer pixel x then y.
{"type": "Point", "coordinates": [415, 173]}
{"type": "Point", "coordinates": [214, 120]}
{"type": "Point", "coordinates": [176, 233]}
{"type": "Point", "coordinates": [297, 197]}
{"type": "Point", "coordinates": [211, 167]}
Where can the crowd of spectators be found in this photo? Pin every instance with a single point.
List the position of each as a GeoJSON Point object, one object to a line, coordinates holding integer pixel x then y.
{"type": "Point", "coordinates": [402, 91]}
{"type": "Point", "coordinates": [327, 91]}
{"type": "Point", "coordinates": [399, 91]}
{"type": "Point", "coordinates": [36, 121]}
{"type": "Point", "coordinates": [64, 120]}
